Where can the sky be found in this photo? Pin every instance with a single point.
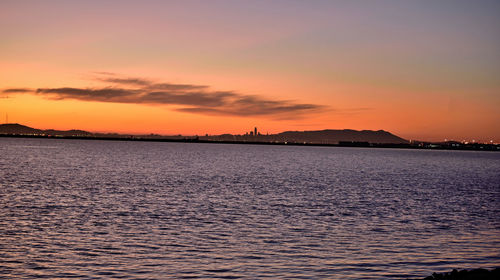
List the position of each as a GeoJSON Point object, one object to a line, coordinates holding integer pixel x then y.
{"type": "Point", "coordinates": [423, 70]}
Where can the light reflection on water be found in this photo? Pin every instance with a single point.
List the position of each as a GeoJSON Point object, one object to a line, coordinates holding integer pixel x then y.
{"type": "Point", "coordinates": [132, 210]}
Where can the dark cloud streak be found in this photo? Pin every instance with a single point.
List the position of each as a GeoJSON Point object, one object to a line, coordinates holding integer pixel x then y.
{"type": "Point", "coordinates": [127, 81]}
{"type": "Point", "coordinates": [151, 85]}
{"type": "Point", "coordinates": [190, 98]}
{"type": "Point", "coordinates": [214, 99]}
{"type": "Point", "coordinates": [103, 95]}
{"type": "Point", "coordinates": [17, 90]}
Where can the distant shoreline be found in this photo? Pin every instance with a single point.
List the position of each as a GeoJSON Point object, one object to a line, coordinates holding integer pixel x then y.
{"type": "Point", "coordinates": [469, 147]}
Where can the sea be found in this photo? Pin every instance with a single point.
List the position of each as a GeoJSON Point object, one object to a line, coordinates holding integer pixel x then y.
{"type": "Point", "coordinates": [91, 209]}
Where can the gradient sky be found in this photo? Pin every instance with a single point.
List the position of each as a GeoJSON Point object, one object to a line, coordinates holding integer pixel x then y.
{"type": "Point", "coordinates": [427, 70]}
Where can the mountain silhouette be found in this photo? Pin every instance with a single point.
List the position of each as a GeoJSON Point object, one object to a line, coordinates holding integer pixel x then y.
{"type": "Point", "coordinates": [15, 128]}
{"type": "Point", "coordinates": [328, 136]}
{"type": "Point", "coordinates": [333, 136]}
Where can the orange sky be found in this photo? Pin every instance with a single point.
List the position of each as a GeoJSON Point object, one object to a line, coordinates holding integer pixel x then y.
{"type": "Point", "coordinates": [421, 71]}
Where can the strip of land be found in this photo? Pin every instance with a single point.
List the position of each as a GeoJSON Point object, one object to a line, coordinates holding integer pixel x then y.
{"type": "Point", "coordinates": [334, 138]}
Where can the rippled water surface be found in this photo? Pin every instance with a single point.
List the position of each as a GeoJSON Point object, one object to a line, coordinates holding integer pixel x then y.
{"type": "Point", "coordinates": [139, 210]}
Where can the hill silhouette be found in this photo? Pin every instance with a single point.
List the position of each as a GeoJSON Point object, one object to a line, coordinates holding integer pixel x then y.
{"type": "Point", "coordinates": [328, 136]}
{"type": "Point", "coordinates": [15, 128]}
{"type": "Point", "coordinates": [331, 136]}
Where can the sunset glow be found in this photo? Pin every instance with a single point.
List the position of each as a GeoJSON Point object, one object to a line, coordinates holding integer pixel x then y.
{"type": "Point", "coordinates": [426, 70]}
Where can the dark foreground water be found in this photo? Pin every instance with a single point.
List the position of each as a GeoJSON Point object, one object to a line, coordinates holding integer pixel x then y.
{"type": "Point", "coordinates": [137, 210]}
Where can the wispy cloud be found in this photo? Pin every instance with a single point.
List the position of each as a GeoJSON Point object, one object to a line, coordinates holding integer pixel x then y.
{"type": "Point", "coordinates": [17, 90]}
{"type": "Point", "coordinates": [192, 98]}
{"type": "Point", "coordinates": [103, 95]}
{"type": "Point", "coordinates": [148, 84]}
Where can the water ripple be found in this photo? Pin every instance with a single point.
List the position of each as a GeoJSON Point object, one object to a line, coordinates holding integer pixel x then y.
{"type": "Point", "coordinates": [132, 210]}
